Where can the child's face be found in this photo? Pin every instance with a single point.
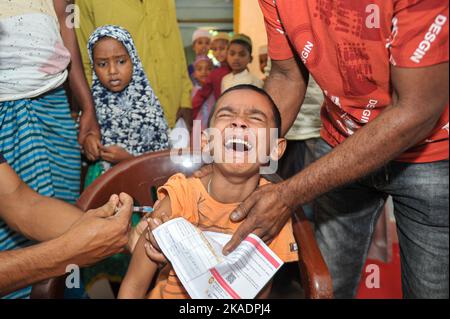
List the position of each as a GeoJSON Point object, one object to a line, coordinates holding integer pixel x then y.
{"type": "Point", "coordinates": [112, 64]}
{"type": "Point", "coordinates": [202, 70]}
{"type": "Point", "coordinates": [238, 57]}
{"type": "Point", "coordinates": [244, 119]}
{"type": "Point", "coordinates": [201, 46]}
{"type": "Point", "coordinates": [219, 49]}
{"type": "Point", "coordinates": [262, 62]}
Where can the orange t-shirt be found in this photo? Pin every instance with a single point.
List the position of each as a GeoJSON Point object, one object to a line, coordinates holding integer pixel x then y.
{"type": "Point", "coordinates": [349, 46]}
{"type": "Point", "coordinates": [190, 200]}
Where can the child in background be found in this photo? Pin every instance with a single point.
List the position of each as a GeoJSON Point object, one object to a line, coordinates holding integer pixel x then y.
{"type": "Point", "coordinates": [207, 202]}
{"type": "Point", "coordinates": [130, 116]}
{"type": "Point", "coordinates": [202, 69]}
{"type": "Point", "coordinates": [219, 48]}
{"type": "Point", "coordinates": [263, 60]}
{"type": "Point", "coordinates": [238, 58]}
{"type": "Point", "coordinates": [201, 40]}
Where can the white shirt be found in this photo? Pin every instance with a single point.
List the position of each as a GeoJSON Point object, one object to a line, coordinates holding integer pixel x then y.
{"type": "Point", "coordinates": [245, 77]}
{"type": "Point", "coordinates": [308, 122]}
{"type": "Point", "coordinates": [33, 58]}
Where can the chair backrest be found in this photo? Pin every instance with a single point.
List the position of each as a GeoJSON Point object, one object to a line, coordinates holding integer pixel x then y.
{"type": "Point", "coordinates": [139, 177]}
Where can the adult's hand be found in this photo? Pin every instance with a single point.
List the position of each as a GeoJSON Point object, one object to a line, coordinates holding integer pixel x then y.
{"type": "Point", "coordinates": [88, 126]}
{"type": "Point", "coordinates": [205, 170]}
{"type": "Point", "coordinates": [264, 213]}
{"type": "Point", "coordinates": [92, 147]}
{"type": "Point", "coordinates": [114, 154]}
{"type": "Point", "coordinates": [101, 232]}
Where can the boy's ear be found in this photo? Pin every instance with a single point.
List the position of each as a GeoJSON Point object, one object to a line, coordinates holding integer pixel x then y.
{"type": "Point", "coordinates": [205, 141]}
{"type": "Point", "coordinates": [279, 149]}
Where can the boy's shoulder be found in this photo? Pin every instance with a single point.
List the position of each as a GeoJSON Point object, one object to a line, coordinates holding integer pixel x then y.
{"type": "Point", "coordinates": [182, 179]}
{"type": "Point", "coordinates": [190, 186]}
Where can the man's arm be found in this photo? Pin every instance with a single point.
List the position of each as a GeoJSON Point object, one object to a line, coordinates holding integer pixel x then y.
{"type": "Point", "coordinates": [287, 85]}
{"type": "Point", "coordinates": [77, 79]}
{"type": "Point", "coordinates": [35, 216]}
{"type": "Point", "coordinates": [420, 97]}
{"type": "Point", "coordinates": [22, 267]}
{"type": "Point", "coordinates": [97, 234]}
{"type": "Point", "coordinates": [83, 32]}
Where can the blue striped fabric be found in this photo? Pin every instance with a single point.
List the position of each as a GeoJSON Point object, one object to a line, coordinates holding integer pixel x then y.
{"type": "Point", "coordinates": [38, 138]}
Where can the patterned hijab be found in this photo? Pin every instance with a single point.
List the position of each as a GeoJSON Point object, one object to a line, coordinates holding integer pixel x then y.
{"type": "Point", "coordinates": [133, 118]}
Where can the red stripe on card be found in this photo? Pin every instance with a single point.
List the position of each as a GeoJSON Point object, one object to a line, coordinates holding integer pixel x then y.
{"type": "Point", "coordinates": [264, 252]}
{"type": "Point", "coordinates": [224, 284]}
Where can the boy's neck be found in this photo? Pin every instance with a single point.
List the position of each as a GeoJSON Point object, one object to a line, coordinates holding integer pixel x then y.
{"type": "Point", "coordinates": [238, 72]}
{"type": "Point", "coordinates": [230, 189]}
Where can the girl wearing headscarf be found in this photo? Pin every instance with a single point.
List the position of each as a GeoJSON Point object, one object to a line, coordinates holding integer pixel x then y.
{"type": "Point", "coordinates": [130, 116]}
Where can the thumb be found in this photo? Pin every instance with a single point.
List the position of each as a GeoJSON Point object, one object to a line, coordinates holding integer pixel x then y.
{"type": "Point", "coordinates": [244, 208]}
{"type": "Point", "coordinates": [126, 209]}
{"type": "Point", "coordinates": [109, 209]}
{"type": "Point", "coordinates": [241, 233]}
{"type": "Point", "coordinates": [203, 171]}
{"type": "Point", "coordinates": [99, 144]}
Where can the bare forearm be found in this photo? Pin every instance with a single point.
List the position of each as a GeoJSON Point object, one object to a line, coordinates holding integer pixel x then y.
{"type": "Point", "coordinates": [22, 267]}
{"type": "Point", "coordinates": [38, 217]}
{"type": "Point", "coordinates": [379, 142]}
{"type": "Point", "coordinates": [139, 275]}
{"type": "Point", "coordinates": [77, 79]}
{"type": "Point", "coordinates": [287, 87]}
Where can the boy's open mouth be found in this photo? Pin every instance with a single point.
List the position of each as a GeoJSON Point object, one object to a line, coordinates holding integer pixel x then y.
{"type": "Point", "coordinates": [238, 145]}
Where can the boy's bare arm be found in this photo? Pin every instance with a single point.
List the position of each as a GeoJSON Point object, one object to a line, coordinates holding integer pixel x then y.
{"type": "Point", "coordinates": [34, 216]}
{"type": "Point", "coordinates": [142, 269]}
{"type": "Point", "coordinates": [139, 275]}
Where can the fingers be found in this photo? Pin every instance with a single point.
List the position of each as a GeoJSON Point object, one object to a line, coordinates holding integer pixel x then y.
{"type": "Point", "coordinates": [204, 171]}
{"type": "Point", "coordinates": [107, 156]}
{"type": "Point", "coordinates": [99, 144]}
{"type": "Point", "coordinates": [152, 224]}
{"type": "Point", "coordinates": [241, 233]}
{"type": "Point", "coordinates": [243, 210]}
{"type": "Point", "coordinates": [89, 156]}
{"type": "Point", "coordinates": [164, 217]}
{"type": "Point", "coordinates": [141, 226]}
{"type": "Point", "coordinates": [154, 255]}
{"type": "Point", "coordinates": [109, 209]}
{"type": "Point", "coordinates": [126, 208]}
{"type": "Point", "coordinates": [91, 147]}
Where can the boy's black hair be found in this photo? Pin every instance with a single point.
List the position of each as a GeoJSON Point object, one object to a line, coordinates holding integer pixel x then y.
{"type": "Point", "coordinates": [245, 44]}
{"type": "Point", "coordinates": [244, 40]}
{"type": "Point", "coordinates": [275, 110]}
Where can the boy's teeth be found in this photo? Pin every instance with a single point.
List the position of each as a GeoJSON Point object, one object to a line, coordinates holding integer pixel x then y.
{"type": "Point", "coordinates": [238, 141]}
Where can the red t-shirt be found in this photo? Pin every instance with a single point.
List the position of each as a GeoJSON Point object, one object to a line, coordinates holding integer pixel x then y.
{"type": "Point", "coordinates": [213, 85]}
{"type": "Point", "coordinates": [349, 46]}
